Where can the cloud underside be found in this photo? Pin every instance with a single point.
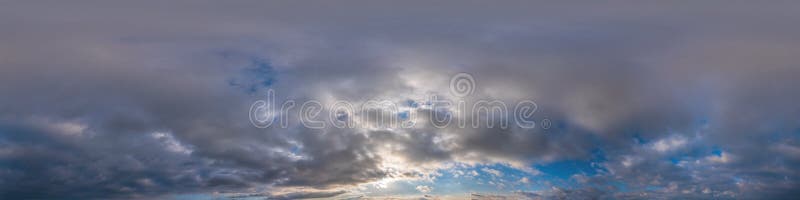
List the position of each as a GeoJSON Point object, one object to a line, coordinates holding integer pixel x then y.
{"type": "Point", "coordinates": [146, 99]}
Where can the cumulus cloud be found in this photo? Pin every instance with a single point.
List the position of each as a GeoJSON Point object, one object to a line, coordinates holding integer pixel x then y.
{"type": "Point", "coordinates": [493, 172]}
{"type": "Point", "coordinates": [524, 180]}
{"type": "Point", "coordinates": [668, 144]}
{"type": "Point", "coordinates": [424, 188]}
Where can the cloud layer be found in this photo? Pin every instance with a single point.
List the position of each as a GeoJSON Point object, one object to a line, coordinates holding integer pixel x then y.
{"type": "Point", "coordinates": [150, 99]}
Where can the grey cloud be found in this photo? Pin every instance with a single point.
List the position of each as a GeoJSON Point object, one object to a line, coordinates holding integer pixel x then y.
{"type": "Point", "coordinates": [85, 84]}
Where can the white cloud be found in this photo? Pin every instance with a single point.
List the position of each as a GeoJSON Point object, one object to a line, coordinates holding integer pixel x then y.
{"type": "Point", "coordinates": [524, 180]}
{"type": "Point", "coordinates": [170, 143]}
{"type": "Point", "coordinates": [424, 188]}
{"type": "Point", "coordinates": [724, 157]}
{"type": "Point", "coordinates": [492, 171]}
{"type": "Point", "coordinates": [669, 144]}
{"type": "Point", "coordinates": [473, 173]}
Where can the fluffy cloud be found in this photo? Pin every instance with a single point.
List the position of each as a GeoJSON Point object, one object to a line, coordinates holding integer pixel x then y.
{"type": "Point", "coordinates": [424, 188]}
{"type": "Point", "coordinates": [493, 172]}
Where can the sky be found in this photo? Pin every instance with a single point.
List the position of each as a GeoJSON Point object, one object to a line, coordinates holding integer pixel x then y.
{"type": "Point", "coordinates": [246, 99]}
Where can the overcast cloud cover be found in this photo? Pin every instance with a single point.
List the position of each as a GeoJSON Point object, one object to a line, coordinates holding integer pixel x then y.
{"type": "Point", "coordinates": [151, 99]}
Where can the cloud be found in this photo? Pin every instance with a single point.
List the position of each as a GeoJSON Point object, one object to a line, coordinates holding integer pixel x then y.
{"type": "Point", "coordinates": [424, 188]}
{"type": "Point", "coordinates": [524, 180]}
{"type": "Point", "coordinates": [293, 195]}
{"type": "Point", "coordinates": [668, 144]}
{"type": "Point", "coordinates": [493, 172]}
{"type": "Point", "coordinates": [722, 158]}
{"type": "Point", "coordinates": [146, 99]}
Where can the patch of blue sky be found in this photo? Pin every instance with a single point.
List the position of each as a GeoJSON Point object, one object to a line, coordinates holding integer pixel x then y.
{"type": "Point", "coordinates": [412, 103]}
{"type": "Point", "coordinates": [256, 72]}
{"type": "Point", "coordinates": [654, 188]}
{"type": "Point", "coordinates": [561, 173]}
{"type": "Point", "coordinates": [403, 115]}
{"type": "Point", "coordinates": [498, 177]}
{"type": "Point", "coordinates": [467, 179]}
{"type": "Point", "coordinates": [567, 168]}
{"type": "Point", "coordinates": [717, 151]}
